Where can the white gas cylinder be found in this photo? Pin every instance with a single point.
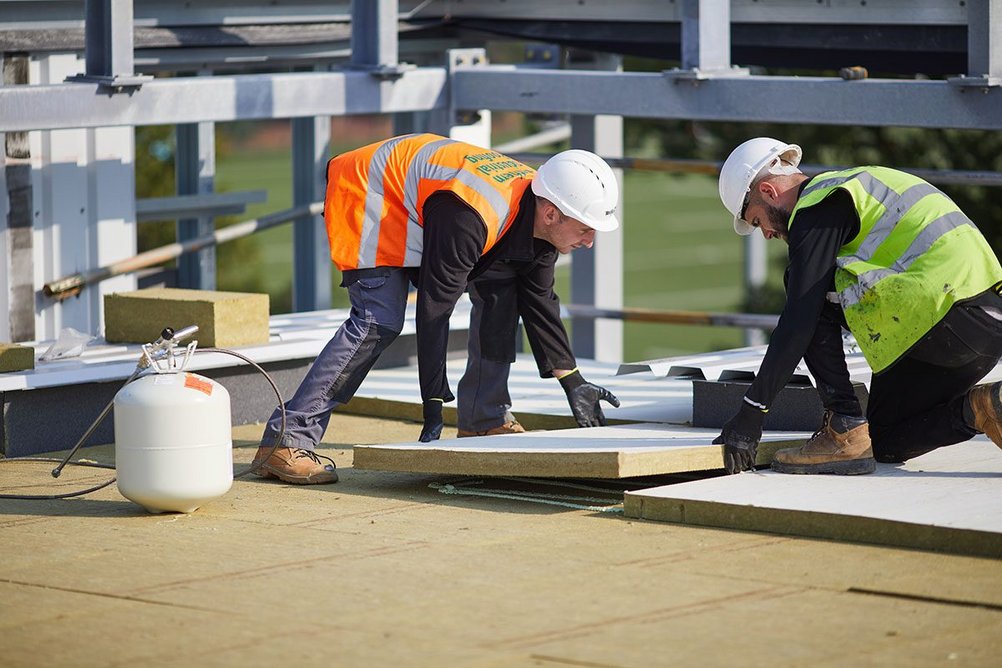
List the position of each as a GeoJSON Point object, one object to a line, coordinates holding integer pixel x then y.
{"type": "Point", "coordinates": [173, 447]}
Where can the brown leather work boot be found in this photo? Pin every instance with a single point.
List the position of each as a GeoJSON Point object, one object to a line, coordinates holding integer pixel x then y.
{"type": "Point", "coordinates": [296, 465]}
{"type": "Point", "coordinates": [510, 427]}
{"type": "Point", "coordinates": [841, 447]}
{"type": "Point", "coordinates": [986, 404]}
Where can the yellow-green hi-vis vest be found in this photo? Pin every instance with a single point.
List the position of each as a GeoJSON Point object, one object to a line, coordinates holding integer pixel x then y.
{"type": "Point", "coordinates": [915, 256]}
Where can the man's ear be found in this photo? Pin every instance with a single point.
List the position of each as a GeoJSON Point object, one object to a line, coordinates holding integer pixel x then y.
{"type": "Point", "coordinates": [768, 191]}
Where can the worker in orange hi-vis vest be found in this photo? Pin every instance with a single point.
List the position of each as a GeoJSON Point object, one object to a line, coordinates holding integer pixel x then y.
{"type": "Point", "coordinates": [444, 215]}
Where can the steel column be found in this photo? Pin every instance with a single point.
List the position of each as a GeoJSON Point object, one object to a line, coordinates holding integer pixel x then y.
{"type": "Point", "coordinates": [756, 271]}
{"type": "Point", "coordinates": [108, 44]}
{"type": "Point", "coordinates": [706, 35]}
{"type": "Point", "coordinates": [311, 277]}
{"type": "Point", "coordinates": [374, 33]}
{"type": "Point", "coordinates": [195, 173]}
{"type": "Point", "coordinates": [17, 301]}
{"type": "Point", "coordinates": [599, 339]}
{"type": "Point", "coordinates": [109, 37]}
{"type": "Point", "coordinates": [984, 40]}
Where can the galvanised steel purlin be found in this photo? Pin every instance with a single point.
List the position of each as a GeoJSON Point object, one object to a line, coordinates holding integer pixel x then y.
{"type": "Point", "coordinates": [822, 100]}
{"type": "Point", "coordinates": [220, 98]}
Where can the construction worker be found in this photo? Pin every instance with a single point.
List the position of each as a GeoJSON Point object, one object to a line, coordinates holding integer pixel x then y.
{"type": "Point", "coordinates": [437, 213]}
{"type": "Point", "coordinates": [893, 260]}
{"type": "Point", "coordinates": [509, 288]}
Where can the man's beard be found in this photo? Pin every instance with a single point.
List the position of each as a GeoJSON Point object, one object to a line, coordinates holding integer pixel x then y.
{"type": "Point", "coordinates": [780, 220]}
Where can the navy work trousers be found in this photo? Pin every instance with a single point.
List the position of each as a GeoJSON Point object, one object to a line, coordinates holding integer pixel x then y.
{"type": "Point", "coordinates": [377, 316]}
{"type": "Point", "coordinates": [916, 405]}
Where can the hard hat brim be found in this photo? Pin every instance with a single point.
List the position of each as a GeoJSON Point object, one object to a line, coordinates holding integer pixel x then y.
{"type": "Point", "coordinates": [742, 228]}
{"type": "Point", "coordinates": [605, 225]}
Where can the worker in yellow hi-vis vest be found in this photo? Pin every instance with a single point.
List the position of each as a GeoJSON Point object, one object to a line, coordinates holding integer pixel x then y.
{"type": "Point", "coordinates": [438, 213]}
{"type": "Point", "coordinates": [893, 260]}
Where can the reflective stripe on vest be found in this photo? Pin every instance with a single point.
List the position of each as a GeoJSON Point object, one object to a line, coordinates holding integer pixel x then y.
{"type": "Point", "coordinates": [395, 177]}
{"type": "Point", "coordinates": [916, 255]}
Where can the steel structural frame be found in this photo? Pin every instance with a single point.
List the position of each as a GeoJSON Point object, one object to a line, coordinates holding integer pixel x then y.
{"type": "Point", "coordinates": [706, 89]}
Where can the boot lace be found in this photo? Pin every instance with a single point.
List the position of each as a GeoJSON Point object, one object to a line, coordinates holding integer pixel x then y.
{"type": "Point", "coordinates": [825, 421]}
{"type": "Point", "coordinates": [310, 454]}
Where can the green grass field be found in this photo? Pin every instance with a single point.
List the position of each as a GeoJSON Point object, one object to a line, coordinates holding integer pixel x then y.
{"type": "Point", "coordinates": [680, 251]}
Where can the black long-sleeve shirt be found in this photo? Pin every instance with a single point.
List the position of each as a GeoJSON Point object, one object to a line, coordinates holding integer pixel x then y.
{"type": "Point", "coordinates": [814, 242]}
{"type": "Point", "coordinates": [454, 238]}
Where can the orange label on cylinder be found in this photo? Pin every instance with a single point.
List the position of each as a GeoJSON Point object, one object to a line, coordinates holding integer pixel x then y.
{"type": "Point", "coordinates": [196, 383]}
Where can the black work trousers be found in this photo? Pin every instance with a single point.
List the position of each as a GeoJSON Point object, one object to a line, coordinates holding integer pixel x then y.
{"type": "Point", "coordinates": [916, 405]}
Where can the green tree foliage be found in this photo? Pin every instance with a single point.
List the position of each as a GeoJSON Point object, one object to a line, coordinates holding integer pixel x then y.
{"type": "Point", "coordinates": [155, 177]}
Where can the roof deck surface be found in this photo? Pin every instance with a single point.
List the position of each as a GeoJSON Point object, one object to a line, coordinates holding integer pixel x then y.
{"type": "Point", "coordinates": [384, 569]}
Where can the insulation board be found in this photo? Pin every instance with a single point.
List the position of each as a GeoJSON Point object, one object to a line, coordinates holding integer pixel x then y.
{"type": "Point", "coordinates": [16, 358]}
{"type": "Point", "coordinates": [538, 403]}
{"type": "Point", "coordinates": [224, 319]}
{"type": "Point", "coordinates": [945, 500]}
{"type": "Point", "coordinates": [622, 451]}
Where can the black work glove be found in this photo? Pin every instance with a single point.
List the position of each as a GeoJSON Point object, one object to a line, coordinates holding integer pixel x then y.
{"type": "Point", "coordinates": [432, 421]}
{"type": "Point", "coordinates": [740, 437]}
{"type": "Point", "coordinates": [584, 399]}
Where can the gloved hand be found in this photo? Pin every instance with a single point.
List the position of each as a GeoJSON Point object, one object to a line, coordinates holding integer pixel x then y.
{"type": "Point", "coordinates": [433, 424]}
{"type": "Point", "coordinates": [584, 398]}
{"type": "Point", "coordinates": [740, 437]}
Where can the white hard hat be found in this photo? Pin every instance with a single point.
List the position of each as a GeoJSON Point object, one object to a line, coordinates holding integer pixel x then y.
{"type": "Point", "coordinates": [745, 163]}
{"type": "Point", "coordinates": [582, 186]}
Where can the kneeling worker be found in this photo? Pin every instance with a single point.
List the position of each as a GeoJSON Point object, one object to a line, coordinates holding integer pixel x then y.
{"type": "Point", "coordinates": [892, 259]}
{"type": "Point", "coordinates": [435, 212]}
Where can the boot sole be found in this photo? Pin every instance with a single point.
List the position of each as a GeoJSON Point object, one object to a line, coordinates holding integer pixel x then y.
{"type": "Point", "coordinates": [847, 467]}
{"type": "Point", "coordinates": [269, 472]}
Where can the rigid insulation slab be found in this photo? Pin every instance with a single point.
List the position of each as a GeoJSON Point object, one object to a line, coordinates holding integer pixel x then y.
{"type": "Point", "coordinates": [597, 452]}
{"type": "Point", "coordinates": [224, 319]}
{"type": "Point", "coordinates": [538, 403]}
{"type": "Point", "coordinates": [946, 500]}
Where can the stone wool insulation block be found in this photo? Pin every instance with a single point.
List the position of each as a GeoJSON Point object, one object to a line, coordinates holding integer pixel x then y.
{"type": "Point", "coordinates": [224, 319]}
{"type": "Point", "coordinates": [16, 358]}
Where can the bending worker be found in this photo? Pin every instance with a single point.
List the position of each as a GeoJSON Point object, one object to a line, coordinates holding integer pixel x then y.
{"type": "Point", "coordinates": [520, 286]}
{"type": "Point", "coordinates": [434, 212]}
{"type": "Point", "coordinates": [892, 259]}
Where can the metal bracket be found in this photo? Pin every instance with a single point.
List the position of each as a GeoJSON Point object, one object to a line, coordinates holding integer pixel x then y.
{"type": "Point", "coordinates": [696, 74]}
{"type": "Point", "coordinates": [964, 82]}
{"type": "Point", "coordinates": [114, 84]}
{"type": "Point", "coordinates": [385, 72]}
{"type": "Point", "coordinates": [541, 56]}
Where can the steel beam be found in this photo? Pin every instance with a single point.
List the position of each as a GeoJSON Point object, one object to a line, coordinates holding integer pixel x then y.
{"type": "Point", "coordinates": [311, 277]}
{"type": "Point", "coordinates": [56, 13]}
{"type": "Point", "coordinates": [210, 204]}
{"type": "Point", "coordinates": [821, 100]}
{"type": "Point", "coordinates": [220, 98]}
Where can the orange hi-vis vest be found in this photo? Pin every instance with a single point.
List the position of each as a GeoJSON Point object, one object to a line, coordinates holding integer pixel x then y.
{"type": "Point", "coordinates": [374, 207]}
